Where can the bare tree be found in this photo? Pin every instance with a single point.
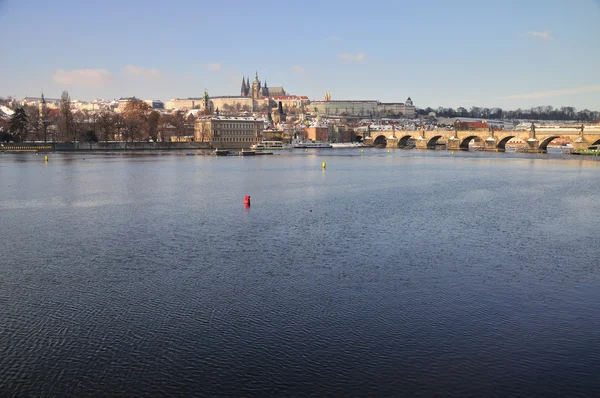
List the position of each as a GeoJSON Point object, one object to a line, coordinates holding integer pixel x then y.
{"type": "Point", "coordinates": [106, 123]}
{"type": "Point", "coordinates": [34, 123]}
{"type": "Point", "coordinates": [65, 123]}
{"type": "Point", "coordinates": [152, 122]}
{"type": "Point", "coordinates": [165, 127]}
{"type": "Point", "coordinates": [135, 119]}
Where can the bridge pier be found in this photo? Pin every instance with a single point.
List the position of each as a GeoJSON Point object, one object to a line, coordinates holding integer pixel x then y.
{"type": "Point", "coordinates": [392, 142]}
{"type": "Point", "coordinates": [420, 143]}
{"type": "Point", "coordinates": [453, 144]}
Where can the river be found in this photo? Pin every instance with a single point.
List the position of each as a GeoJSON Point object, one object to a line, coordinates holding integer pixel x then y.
{"type": "Point", "coordinates": [409, 273]}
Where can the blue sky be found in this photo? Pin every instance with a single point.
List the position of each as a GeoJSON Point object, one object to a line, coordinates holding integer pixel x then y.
{"type": "Point", "coordinates": [451, 53]}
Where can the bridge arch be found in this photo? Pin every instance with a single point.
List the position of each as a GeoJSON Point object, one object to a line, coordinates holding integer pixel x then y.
{"type": "Point", "coordinates": [597, 142]}
{"type": "Point", "coordinates": [380, 141]}
{"type": "Point", "coordinates": [502, 143]}
{"type": "Point", "coordinates": [403, 141]}
{"type": "Point", "coordinates": [464, 143]}
{"type": "Point", "coordinates": [544, 143]}
{"type": "Point", "coordinates": [432, 142]}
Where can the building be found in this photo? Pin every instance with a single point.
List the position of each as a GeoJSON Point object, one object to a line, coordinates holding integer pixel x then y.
{"type": "Point", "coordinates": [155, 104]}
{"type": "Point", "coordinates": [343, 133]}
{"type": "Point", "coordinates": [470, 125]}
{"type": "Point", "coordinates": [273, 135]}
{"type": "Point", "coordinates": [50, 102]}
{"type": "Point", "coordinates": [123, 103]}
{"type": "Point", "coordinates": [291, 101]}
{"type": "Point", "coordinates": [278, 115]}
{"type": "Point", "coordinates": [362, 108]}
{"type": "Point", "coordinates": [318, 131]}
{"type": "Point", "coordinates": [257, 90]}
{"type": "Point", "coordinates": [232, 104]}
{"type": "Point", "coordinates": [180, 103]}
{"type": "Point", "coordinates": [228, 132]}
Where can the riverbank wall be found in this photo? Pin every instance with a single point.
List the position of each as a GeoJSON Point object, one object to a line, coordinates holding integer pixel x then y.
{"type": "Point", "coordinates": [103, 146]}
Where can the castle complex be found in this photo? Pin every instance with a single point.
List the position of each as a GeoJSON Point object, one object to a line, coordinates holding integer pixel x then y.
{"type": "Point", "coordinates": [258, 97]}
{"type": "Point", "coordinates": [257, 91]}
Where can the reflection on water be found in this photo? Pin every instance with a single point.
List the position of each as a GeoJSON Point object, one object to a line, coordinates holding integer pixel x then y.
{"type": "Point", "coordinates": [409, 273]}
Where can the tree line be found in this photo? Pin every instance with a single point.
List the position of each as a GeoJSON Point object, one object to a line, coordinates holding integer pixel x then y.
{"type": "Point", "coordinates": [137, 122]}
{"type": "Point", "coordinates": [547, 112]}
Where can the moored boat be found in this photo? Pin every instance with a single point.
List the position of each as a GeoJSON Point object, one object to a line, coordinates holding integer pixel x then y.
{"type": "Point", "coordinates": [593, 150]}
{"type": "Point", "coordinates": [310, 144]}
{"type": "Point", "coordinates": [347, 145]}
{"type": "Point", "coordinates": [270, 145]}
{"type": "Point", "coordinates": [221, 152]}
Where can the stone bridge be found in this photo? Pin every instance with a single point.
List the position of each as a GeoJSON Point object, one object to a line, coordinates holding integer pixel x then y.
{"type": "Point", "coordinates": [536, 140]}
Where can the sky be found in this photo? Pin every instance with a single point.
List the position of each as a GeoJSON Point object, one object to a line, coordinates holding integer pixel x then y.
{"type": "Point", "coordinates": [510, 54]}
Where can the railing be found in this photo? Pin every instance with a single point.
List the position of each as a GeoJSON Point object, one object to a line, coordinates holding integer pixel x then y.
{"type": "Point", "coordinates": [21, 148]}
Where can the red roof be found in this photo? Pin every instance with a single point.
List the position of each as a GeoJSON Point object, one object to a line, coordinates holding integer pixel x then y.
{"type": "Point", "coordinates": [53, 112]}
{"type": "Point", "coordinates": [289, 97]}
{"type": "Point", "coordinates": [475, 125]}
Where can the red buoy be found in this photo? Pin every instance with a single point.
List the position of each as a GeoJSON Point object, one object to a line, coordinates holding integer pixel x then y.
{"type": "Point", "coordinates": [247, 200]}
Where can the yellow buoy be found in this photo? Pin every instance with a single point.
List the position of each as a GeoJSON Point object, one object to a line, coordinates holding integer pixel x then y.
{"type": "Point", "coordinates": [324, 165]}
{"type": "Point", "coordinates": [362, 150]}
{"type": "Point", "coordinates": [453, 152]}
{"type": "Point", "coordinates": [46, 158]}
{"type": "Point", "coordinates": [306, 150]}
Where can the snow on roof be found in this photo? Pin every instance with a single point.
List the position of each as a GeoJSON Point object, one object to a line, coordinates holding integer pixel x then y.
{"type": "Point", "coordinates": [6, 110]}
{"type": "Point", "coordinates": [233, 118]}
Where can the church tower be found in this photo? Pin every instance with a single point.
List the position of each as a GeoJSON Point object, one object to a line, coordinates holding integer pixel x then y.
{"type": "Point", "coordinates": [206, 108]}
{"type": "Point", "coordinates": [42, 106]}
{"type": "Point", "coordinates": [256, 94]}
{"type": "Point", "coordinates": [243, 89]}
{"type": "Point", "coordinates": [247, 87]}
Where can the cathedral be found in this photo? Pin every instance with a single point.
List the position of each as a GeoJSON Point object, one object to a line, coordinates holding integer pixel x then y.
{"type": "Point", "coordinates": [256, 90]}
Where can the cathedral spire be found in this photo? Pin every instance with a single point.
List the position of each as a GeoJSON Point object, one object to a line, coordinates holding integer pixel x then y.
{"type": "Point", "coordinates": [243, 89]}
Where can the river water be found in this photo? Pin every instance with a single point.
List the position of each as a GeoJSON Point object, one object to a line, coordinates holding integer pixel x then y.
{"type": "Point", "coordinates": [410, 273]}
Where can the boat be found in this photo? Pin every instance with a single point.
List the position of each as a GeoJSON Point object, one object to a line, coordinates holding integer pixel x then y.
{"type": "Point", "coordinates": [245, 152]}
{"type": "Point", "coordinates": [347, 145]}
{"type": "Point", "coordinates": [310, 144]}
{"type": "Point", "coordinates": [593, 150]}
{"type": "Point", "coordinates": [221, 152]}
{"type": "Point", "coordinates": [270, 145]}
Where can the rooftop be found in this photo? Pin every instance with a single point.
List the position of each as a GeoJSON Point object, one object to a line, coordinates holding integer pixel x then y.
{"type": "Point", "coordinates": [344, 101]}
{"type": "Point", "coordinates": [232, 118]}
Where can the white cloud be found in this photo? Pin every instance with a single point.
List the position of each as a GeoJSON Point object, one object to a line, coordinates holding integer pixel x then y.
{"type": "Point", "coordinates": [541, 35]}
{"type": "Point", "coordinates": [213, 66]}
{"type": "Point", "coordinates": [555, 93]}
{"type": "Point", "coordinates": [352, 57]}
{"type": "Point", "coordinates": [332, 38]}
{"type": "Point", "coordinates": [298, 68]}
{"type": "Point", "coordinates": [84, 77]}
{"type": "Point", "coordinates": [139, 71]}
